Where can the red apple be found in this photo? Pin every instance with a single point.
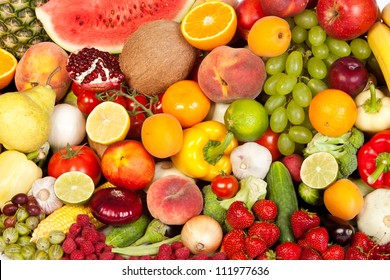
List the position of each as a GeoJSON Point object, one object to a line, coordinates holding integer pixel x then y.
{"type": "Point", "coordinates": [346, 19]}
{"type": "Point", "coordinates": [248, 12]}
{"type": "Point", "coordinates": [283, 8]}
{"type": "Point", "coordinates": [127, 164]}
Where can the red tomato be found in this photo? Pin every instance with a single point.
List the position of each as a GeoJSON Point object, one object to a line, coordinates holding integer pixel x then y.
{"type": "Point", "coordinates": [132, 106]}
{"type": "Point", "coordinates": [156, 104]}
{"type": "Point", "coordinates": [270, 140]}
{"type": "Point", "coordinates": [78, 89]}
{"type": "Point", "coordinates": [136, 120]}
{"type": "Point", "coordinates": [75, 158]}
{"type": "Point", "coordinates": [224, 186]}
{"type": "Point", "coordinates": [87, 101]}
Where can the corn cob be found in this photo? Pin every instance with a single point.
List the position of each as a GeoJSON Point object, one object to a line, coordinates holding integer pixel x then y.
{"type": "Point", "coordinates": [61, 219]}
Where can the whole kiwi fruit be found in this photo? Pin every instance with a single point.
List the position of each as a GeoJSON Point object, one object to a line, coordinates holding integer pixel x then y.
{"type": "Point", "coordinates": [155, 56]}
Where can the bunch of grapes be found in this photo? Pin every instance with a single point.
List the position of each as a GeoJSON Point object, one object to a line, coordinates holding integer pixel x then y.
{"type": "Point", "coordinates": [18, 219]}
{"type": "Point", "coordinates": [295, 76]}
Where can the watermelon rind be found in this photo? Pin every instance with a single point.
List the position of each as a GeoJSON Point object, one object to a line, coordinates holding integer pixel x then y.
{"type": "Point", "coordinates": [105, 25]}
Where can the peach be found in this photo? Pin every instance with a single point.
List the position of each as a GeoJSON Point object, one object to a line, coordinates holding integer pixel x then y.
{"type": "Point", "coordinates": [228, 73]}
{"type": "Point", "coordinates": [38, 63]}
{"type": "Point", "coordinates": [174, 199]}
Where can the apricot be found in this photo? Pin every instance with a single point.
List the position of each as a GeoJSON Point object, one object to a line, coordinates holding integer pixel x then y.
{"type": "Point", "coordinates": [174, 199]}
{"type": "Point", "coordinates": [38, 63]}
{"type": "Point", "coordinates": [228, 73]}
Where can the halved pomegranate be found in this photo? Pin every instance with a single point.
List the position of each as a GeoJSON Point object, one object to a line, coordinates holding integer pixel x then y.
{"type": "Point", "coordinates": [94, 70]}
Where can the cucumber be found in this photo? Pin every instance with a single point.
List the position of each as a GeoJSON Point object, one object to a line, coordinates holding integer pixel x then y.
{"type": "Point", "coordinates": [125, 235]}
{"type": "Point", "coordinates": [281, 190]}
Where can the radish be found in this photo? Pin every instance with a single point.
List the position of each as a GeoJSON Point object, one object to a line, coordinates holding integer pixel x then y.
{"type": "Point", "coordinates": [293, 163]}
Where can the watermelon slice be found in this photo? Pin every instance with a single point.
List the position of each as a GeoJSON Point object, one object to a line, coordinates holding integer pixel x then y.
{"type": "Point", "coordinates": [103, 24]}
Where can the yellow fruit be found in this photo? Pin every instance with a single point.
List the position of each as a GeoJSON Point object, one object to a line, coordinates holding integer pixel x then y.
{"type": "Point", "coordinates": [108, 123]}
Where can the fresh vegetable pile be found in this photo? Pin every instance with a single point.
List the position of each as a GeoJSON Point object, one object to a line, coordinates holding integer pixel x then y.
{"type": "Point", "coordinates": [267, 138]}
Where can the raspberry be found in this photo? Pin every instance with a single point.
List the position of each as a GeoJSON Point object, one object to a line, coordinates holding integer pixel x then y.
{"type": "Point", "coordinates": [79, 240]}
{"type": "Point", "coordinates": [99, 247]}
{"type": "Point", "coordinates": [182, 253]}
{"type": "Point", "coordinates": [91, 257]}
{"type": "Point", "coordinates": [74, 229]}
{"type": "Point", "coordinates": [165, 249]}
{"type": "Point", "coordinates": [106, 256]}
{"type": "Point", "coordinates": [200, 257]}
{"type": "Point", "coordinates": [146, 258]}
{"type": "Point", "coordinates": [134, 258]}
{"type": "Point", "coordinates": [90, 234]}
{"type": "Point", "coordinates": [176, 245]}
{"type": "Point", "coordinates": [87, 247]}
{"type": "Point", "coordinates": [102, 236]}
{"type": "Point", "coordinates": [118, 257]}
{"type": "Point", "coordinates": [69, 245]}
{"type": "Point", "coordinates": [83, 220]}
{"type": "Point", "coordinates": [219, 256]}
{"type": "Point", "coordinates": [77, 255]}
{"type": "Point", "coordinates": [163, 257]}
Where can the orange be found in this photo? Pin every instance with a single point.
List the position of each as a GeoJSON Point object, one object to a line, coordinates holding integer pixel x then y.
{"type": "Point", "coordinates": [332, 112]}
{"type": "Point", "coordinates": [343, 199]}
{"type": "Point", "coordinates": [162, 135]}
{"type": "Point", "coordinates": [269, 36]}
{"type": "Point", "coordinates": [187, 102]}
{"type": "Point", "coordinates": [209, 25]}
{"type": "Point", "coordinates": [7, 68]}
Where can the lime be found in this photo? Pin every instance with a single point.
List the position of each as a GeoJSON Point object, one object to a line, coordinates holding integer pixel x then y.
{"type": "Point", "coordinates": [310, 195]}
{"type": "Point", "coordinates": [74, 187]}
{"type": "Point", "coordinates": [247, 119]}
{"type": "Point", "coordinates": [319, 170]}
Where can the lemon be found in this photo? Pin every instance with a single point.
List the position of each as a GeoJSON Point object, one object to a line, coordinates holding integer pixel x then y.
{"type": "Point", "coordinates": [319, 170]}
{"type": "Point", "coordinates": [247, 119]}
{"type": "Point", "coordinates": [109, 122]}
{"type": "Point", "coordinates": [74, 187]}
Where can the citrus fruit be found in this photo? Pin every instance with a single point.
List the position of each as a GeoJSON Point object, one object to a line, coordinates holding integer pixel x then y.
{"type": "Point", "coordinates": [209, 25]}
{"type": "Point", "coordinates": [343, 199]}
{"type": "Point", "coordinates": [247, 119]}
{"type": "Point", "coordinates": [108, 123]}
{"type": "Point", "coordinates": [187, 102]}
{"type": "Point", "coordinates": [74, 187]}
{"type": "Point", "coordinates": [269, 36]}
{"type": "Point", "coordinates": [319, 170]}
{"type": "Point", "coordinates": [162, 135]}
{"type": "Point", "coordinates": [7, 68]}
{"type": "Point", "coordinates": [332, 112]}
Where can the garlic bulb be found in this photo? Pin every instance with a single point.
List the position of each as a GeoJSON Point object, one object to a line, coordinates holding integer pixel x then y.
{"type": "Point", "coordinates": [43, 191]}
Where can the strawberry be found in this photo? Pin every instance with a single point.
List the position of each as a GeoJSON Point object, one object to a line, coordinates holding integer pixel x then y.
{"type": "Point", "coordinates": [269, 232]}
{"type": "Point", "coordinates": [288, 251]}
{"type": "Point", "coordinates": [302, 220]}
{"type": "Point", "coordinates": [354, 253]}
{"type": "Point", "coordinates": [317, 238]}
{"type": "Point", "coordinates": [233, 242]}
{"type": "Point", "coordinates": [334, 252]}
{"type": "Point", "coordinates": [239, 216]}
{"type": "Point", "coordinates": [254, 246]}
{"type": "Point", "coordinates": [267, 255]}
{"type": "Point", "coordinates": [239, 255]}
{"type": "Point", "coordinates": [265, 210]}
{"type": "Point", "coordinates": [310, 254]}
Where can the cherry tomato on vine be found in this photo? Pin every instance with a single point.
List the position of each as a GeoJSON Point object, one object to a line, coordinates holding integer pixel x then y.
{"type": "Point", "coordinates": [132, 106]}
{"type": "Point", "coordinates": [156, 104]}
{"type": "Point", "coordinates": [87, 101]}
{"type": "Point", "coordinates": [75, 158]}
{"type": "Point", "coordinates": [270, 140]}
{"type": "Point", "coordinates": [224, 186]}
{"type": "Point", "coordinates": [116, 98]}
{"type": "Point", "coordinates": [136, 120]}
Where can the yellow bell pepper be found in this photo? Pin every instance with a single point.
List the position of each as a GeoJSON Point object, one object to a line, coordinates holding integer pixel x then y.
{"type": "Point", "coordinates": [205, 151]}
{"type": "Point", "coordinates": [17, 174]}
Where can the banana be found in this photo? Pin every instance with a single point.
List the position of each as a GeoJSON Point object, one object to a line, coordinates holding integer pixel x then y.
{"type": "Point", "coordinates": [386, 14]}
{"type": "Point", "coordinates": [378, 39]}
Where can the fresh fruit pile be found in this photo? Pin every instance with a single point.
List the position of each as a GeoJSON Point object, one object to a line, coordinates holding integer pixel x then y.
{"type": "Point", "coordinates": [207, 130]}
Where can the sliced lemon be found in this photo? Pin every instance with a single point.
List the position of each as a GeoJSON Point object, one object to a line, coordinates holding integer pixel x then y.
{"type": "Point", "coordinates": [74, 187]}
{"type": "Point", "coordinates": [319, 170]}
{"type": "Point", "coordinates": [108, 123]}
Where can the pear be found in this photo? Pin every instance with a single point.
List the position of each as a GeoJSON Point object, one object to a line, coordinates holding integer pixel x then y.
{"type": "Point", "coordinates": [25, 118]}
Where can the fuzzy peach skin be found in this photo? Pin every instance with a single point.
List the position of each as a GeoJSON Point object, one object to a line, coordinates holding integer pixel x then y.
{"type": "Point", "coordinates": [36, 65]}
{"type": "Point", "coordinates": [174, 199]}
{"type": "Point", "coordinates": [227, 74]}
